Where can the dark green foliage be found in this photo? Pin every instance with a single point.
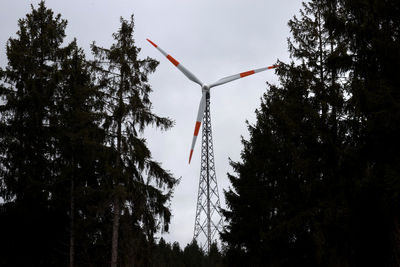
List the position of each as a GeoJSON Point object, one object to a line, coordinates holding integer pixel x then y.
{"type": "Point", "coordinates": [165, 254]}
{"type": "Point", "coordinates": [31, 83]}
{"type": "Point", "coordinates": [80, 151]}
{"type": "Point", "coordinates": [374, 122]}
{"type": "Point", "coordinates": [318, 184]}
{"type": "Point", "coordinates": [123, 80]}
{"type": "Point", "coordinates": [28, 90]}
{"type": "Point", "coordinates": [61, 165]}
{"type": "Point", "coordinates": [138, 185]}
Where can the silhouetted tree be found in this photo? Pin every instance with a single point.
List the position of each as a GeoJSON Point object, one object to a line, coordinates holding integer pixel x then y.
{"type": "Point", "coordinates": [318, 184]}
{"type": "Point", "coordinates": [137, 181]}
{"type": "Point", "coordinates": [52, 145]}
{"type": "Point", "coordinates": [31, 222]}
{"type": "Point", "coordinates": [72, 147]}
{"type": "Point", "coordinates": [79, 144]}
{"type": "Point", "coordinates": [287, 205]}
{"type": "Point", "coordinates": [372, 31]}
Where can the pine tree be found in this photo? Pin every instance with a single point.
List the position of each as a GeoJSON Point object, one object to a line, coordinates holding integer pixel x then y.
{"type": "Point", "coordinates": [79, 142]}
{"type": "Point", "coordinates": [193, 255]}
{"type": "Point", "coordinates": [73, 160]}
{"type": "Point", "coordinates": [319, 181]}
{"type": "Point", "coordinates": [27, 151]}
{"type": "Point", "coordinates": [372, 30]}
{"type": "Point", "coordinates": [283, 204]}
{"type": "Point", "coordinates": [51, 143]}
{"type": "Point", "coordinates": [137, 181]}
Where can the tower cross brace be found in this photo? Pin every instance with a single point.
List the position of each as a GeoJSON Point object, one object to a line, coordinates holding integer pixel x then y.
{"type": "Point", "coordinates": [208, 221]}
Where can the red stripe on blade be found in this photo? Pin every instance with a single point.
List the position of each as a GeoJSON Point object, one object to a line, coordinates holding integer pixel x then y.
{"type": "Point", "coordinates": [247, 73]}
{"type": "Point", "coordinates": [272, 67]}
{"type": "Point", "coordinates": [196, 128]}
{"type": "Point", "coordinates": [176, 63]}
{"type": "Point", "coordinates": [152, 43]}
{"type": "Point", "coordinates": [190, 157]}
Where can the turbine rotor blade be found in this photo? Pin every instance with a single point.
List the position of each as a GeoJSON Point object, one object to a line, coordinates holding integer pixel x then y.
{"type": "Point", "coordinates": [240, 75]}
{"type": "Point", "coordinates": [184, 70]}
{"type": "Point", "coordinates": [200, 114]}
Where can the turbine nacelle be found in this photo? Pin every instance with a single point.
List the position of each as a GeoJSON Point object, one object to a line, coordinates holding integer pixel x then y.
{"type": "Point", "coordinates": [205, 88]}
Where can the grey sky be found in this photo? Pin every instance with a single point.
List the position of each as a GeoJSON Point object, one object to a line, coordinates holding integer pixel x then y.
{"type": "Point", "coordinates": [213, 39]}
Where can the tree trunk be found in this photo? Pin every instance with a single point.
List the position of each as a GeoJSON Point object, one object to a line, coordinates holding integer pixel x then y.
{"type": "Point", "coordinates": [396, 242]}
{"type": "Point", "coordinates": [114, 246]}
{"type": "Point", "coordinates": [117, 208]}
{"type": "Point", "coordinates": [72, 226]}
{"type": "Point", "coordinates": [324, 108]}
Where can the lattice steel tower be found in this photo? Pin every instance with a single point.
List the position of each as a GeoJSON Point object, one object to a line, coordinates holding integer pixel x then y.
{"type": "Point", "coordinates": [208, 222]}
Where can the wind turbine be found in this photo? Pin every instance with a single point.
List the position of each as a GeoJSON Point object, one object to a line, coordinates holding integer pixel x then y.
{"type": "Point", "coordinates": [208, 197]}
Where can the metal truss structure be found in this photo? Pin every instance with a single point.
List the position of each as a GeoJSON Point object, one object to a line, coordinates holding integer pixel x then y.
{"type": "Point", "coordinates": [208, 222]}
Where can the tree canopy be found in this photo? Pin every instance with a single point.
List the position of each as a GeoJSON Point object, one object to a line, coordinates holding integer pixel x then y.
{"type": "Point", "coordinates": [318, 181]}
{"type": "Point", "coordinates": [76, 173]}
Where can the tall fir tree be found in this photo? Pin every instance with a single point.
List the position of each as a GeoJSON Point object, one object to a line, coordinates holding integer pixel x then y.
{"type": "Point", "coordinates": [52, 142]}
{"type": "Point", "coordinates": [74, 168]}
{"type": "Point", "coordinates": [140, 187]}
{"type": "Point", "coordinates": [285, 199]}
{"type": "Point", "coordinates": [319, 181]}
{"type": "Point", "coordinates": [29, 81]}
{"type": "Point", "coordinates": [79, 144]}
{"type": "Point", "coordinates": [372, 31]}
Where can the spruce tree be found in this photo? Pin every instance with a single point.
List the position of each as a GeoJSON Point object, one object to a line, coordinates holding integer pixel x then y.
{"type": "Point", "coordinates": [372, 31]}
{"type": "Point", "coordinates": [79, 144]}
{"type": "Point", "coordinates": [52, 144]}
{"type": "Point", "coordinates": [319, 181]}
{"type": "Point", "coordinates": [140, 188]}
{"type": "Point", "coordinates": [29, 81]}
{"type": "Point", "coordinates": [283, 202]}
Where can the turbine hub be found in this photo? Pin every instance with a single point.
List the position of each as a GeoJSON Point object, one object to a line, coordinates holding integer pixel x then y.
{"type": "Point", "coordinates": [205, 88]}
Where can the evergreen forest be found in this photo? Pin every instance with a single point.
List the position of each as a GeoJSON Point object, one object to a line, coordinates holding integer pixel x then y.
{"type": "Point", "coordinates": [318, 182]}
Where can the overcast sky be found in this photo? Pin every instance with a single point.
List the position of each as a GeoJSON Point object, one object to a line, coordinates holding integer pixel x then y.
{"type": "Point", "coordinates": [213, 39]}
